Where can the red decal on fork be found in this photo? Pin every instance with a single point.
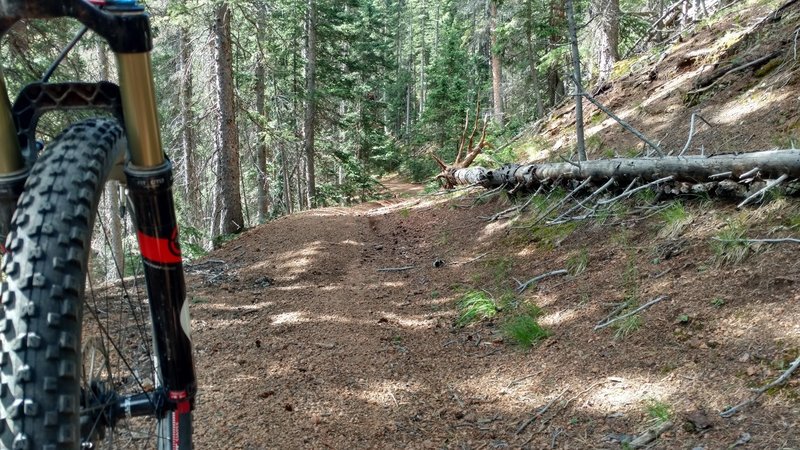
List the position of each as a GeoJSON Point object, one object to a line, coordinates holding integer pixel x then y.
{"type": "Point", "coordinates": [183, 406]}
{"type": "Point", "coordinates": [160, 250]}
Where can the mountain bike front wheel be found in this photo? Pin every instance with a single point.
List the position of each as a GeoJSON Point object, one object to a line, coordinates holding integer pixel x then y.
{"type": "Point", "coordinates": [71, 355]}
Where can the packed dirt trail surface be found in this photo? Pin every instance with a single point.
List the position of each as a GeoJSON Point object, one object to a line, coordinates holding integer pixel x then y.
{"type": "Point", "coordinates": [302, 342]}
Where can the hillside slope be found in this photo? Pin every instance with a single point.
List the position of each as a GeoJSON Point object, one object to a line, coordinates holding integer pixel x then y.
{"type": "Point", "coordinates": [750, 109]}
{"type": "Point", "coordinates": [303, 343]}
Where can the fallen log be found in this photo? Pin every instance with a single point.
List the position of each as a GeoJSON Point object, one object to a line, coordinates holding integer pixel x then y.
{"type": "Point", "coordinates": [771, 164]}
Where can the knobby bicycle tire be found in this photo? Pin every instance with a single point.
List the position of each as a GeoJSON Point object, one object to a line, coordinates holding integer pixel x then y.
{"type": "Point", "coordinates": [45, 272]}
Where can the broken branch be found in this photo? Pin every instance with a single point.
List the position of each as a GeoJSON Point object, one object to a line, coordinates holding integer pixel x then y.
{"type": "Point", "coordinates": [624, 124]}
{"type": "Point", "coordinates": [763, 190]}
{"type": "Point", "coordinates": [523, 286]}
{"type": "Point", "coordinates": [782, 379]}
{"type": "Point", "coordinates": [628, 193]}
{"type": "Point", "coordinates": [651, 435]}
{"type": "Point", "coordinates": [760, 241]}
{"type": "Point", "coordinates": [396, 269]}
{"type": "Point", "coordinates": [641, 308]}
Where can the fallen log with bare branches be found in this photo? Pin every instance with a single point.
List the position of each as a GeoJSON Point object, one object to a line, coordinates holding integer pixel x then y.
{"type": "Point", "coordinates": [687, 171]}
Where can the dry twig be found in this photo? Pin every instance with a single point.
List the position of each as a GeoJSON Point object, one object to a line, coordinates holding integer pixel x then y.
{"type": "Point", "coordinates": [539, 412]}
{"type": "Point", "coordinates": [761, 241]}
{"type": "Point", "coordinates": [641, 308]}
{"type": "Point", "coordinates": [523, 286]}
{"type": "Point", "coordinates": [691, 132]}
{"type": "Point", "coordinates": [628, 193]}
{"type": "Point", "coordinates": [763, 190]}
{"type": "Point", "coordinates": [594, 194]}
{"type": "Point", "coordinates": [396, 269]}
{"type": "Point", "coordinates": [759, 392]}
{"type": "Point", "coordinates": [651, 435]}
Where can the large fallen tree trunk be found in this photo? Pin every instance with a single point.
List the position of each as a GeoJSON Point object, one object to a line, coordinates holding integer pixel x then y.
{"type": "Point", "coordinates": [690, 169]}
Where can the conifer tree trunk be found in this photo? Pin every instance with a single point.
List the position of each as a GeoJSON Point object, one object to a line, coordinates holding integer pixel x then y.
{"type": "Point", "coordinates": [187, 123]}
{"type": "Point", "coordinates": [497, 73]}
{"type": "Point", "coordinates": [261, 149]}
{"type": "Point", "coordinates": [310, 106]}
{"type": "Point", "coordinates": [533, 61]}
{"type": "Point", "coordinates": [230, 216]}
{"type": "Point", "coordinates": [576, 68]}
{"type": "Point", "coordinates": [608, 36]}
{"type": "Point", "coordinates": [555, 87]}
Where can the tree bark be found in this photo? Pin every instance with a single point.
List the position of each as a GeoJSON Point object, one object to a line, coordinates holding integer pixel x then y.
{"type": "Point", "coordinates": [231, 219]}
{"type": "Point", "coordinates": [310, 106]}
{"type": "Point", "coordinates": [608, 32]}
{"type": "Point", "coordinates": [497, 71]}
{"type": "Point", "coordinates": [691, 169]}
{"type": "Point", "coordinates": [261, 148]}
{"type": "Point", "coordinates": [533, 61]}
{"type": "Point", "coordinates": [555, 86]}
{"type": "Point", "coordinates": [262, 152]}
{"type": "Point", "coordinates": [191, 186]}
{"type": "Point", "coordinates": [576, 70]}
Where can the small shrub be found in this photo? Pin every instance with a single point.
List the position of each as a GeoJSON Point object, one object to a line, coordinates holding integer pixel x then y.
{"type": "Point", "coordinates": [645, 197]}
{"type": "Point", "coordinates": [729, 246]}
{"type": "Point", "coordinates": [793, 222]}
{"type": "Point", "coordinates": [548, 237]}
{"type": "Point", "coordinates": [718, 302]}
{"type": "Point", "coordinates": [675, 218]}
{"type": "Point", "coordinates": [475, 306]}
{"type": "Point", "coordinates": [658, 411]}
{"type": "Point", "coordinates": [578, 263]}
{"type": "Point", "coordinates": [524, 331]}
{"type": "Point", "coordinates": [499, 269]}
{"type": "Point", "coordinates": [627, 326]}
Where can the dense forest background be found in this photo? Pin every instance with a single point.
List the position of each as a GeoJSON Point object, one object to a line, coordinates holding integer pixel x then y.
{"type": "Point", "coordinates": [269, 108]}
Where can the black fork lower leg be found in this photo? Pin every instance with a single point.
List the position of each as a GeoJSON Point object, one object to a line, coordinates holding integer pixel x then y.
{"type": "Point", "coordinates": [151, 194]}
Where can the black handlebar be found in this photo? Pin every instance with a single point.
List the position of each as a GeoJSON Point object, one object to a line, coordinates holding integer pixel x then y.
{"type": "Point", "coordinates": [126, 31]}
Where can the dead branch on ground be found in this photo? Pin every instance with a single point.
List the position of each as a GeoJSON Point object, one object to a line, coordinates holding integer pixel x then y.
{"type": "Point", "coordinates": [760, 241]}
{"type": "Point", "coordinates": [396, 269]}
{"type": "Point", "coordinates": [523, 286]}
{"type": "Point", "coordinates": [651, 434]}
{"type": "Point", "coordinates": [624, 124]}
{"type": "Point", "coordinates": [710, 81]}
{"type": "Point", "coordinates": [641, 308]}
{"type": "Point", "coordinates": [759, 392]}
{"type": "Point", "coordinates": [540, 412]}
{"type": "Point", "coordinates": [762, 191]}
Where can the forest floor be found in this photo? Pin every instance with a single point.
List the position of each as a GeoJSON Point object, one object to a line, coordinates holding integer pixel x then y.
{"type": "Point", "coordinates": [301, 342]}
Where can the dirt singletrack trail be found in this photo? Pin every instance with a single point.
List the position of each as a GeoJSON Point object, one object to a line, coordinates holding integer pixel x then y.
{"type": "Point", "coordinates": [326, 351]}
{"type": "Point", "coordinates": [301, 342]}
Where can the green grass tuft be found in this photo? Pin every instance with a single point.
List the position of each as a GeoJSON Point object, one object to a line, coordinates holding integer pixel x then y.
{"type": "Point", "coordinates": [577, 264]}
{"type": "Point", "coordinates": [728, 246]}
{"type": "Point", "coordinates": [524, 331]}
{"type": "Point", "coordinates": [548, 237]}
{"type": "Point", "coordinates": [675, 218]}
{"type": "Point", "coordinates": [627, 326]}
{"type": "Point", "coordinates": [658, 411]}
{"type": "Point", "coordinates": [475, 306]}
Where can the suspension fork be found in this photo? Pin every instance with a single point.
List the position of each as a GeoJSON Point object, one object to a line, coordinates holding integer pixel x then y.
{"type": "Point", "coordinates": [13, 172]}
{"type": "Point", "coordinates": [149, 177]}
